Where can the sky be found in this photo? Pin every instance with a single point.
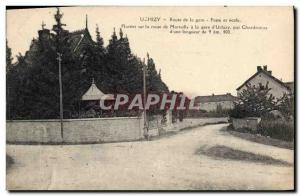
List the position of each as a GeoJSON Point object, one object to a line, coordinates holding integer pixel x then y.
{"type": "Point", "coordinates": [195, 64]}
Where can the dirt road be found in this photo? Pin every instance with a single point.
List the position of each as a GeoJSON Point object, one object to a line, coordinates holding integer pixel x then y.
{"type": "Point", "coordinates": [167, 163]}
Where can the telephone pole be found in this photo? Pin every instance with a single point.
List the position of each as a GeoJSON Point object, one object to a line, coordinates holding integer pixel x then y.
{"type": "Point", "coordinates": [58, 29]}
{"type": "Point", "coordinates": [144, 97]}
{"type": "Point", "coordinates": [61, 110]}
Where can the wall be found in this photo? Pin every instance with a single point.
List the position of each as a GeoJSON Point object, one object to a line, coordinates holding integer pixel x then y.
{"type": "Point", "coordinates": [212, 106]}
{"type": "Point", "coordinates": [277, 90]}
{"type": "Point", "coordinates": [75, 130]}
{"type": "Point", "coordinates": [93, 130]}
{"type": "Point", "coordinates": [193, 122]}
{"type": "Point", "coordinates": [250, 123]}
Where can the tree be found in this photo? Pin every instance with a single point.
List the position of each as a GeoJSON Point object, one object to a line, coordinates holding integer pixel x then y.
{"type": "Point", "coordinates": [123, 67]}
{"type": "Point", "coordinates": [15, 83]}
{"type": "Point", "coordinates": [254, 101]}
{"type": "Point", "coordinates": [33, 82]}
{"type": "Point", "coordinates": [154, 82]}
{"type": "Point", "coordinates": [286, 106]}
{"type": "Point", "coordinates": [99, 40]}
{"type": "Point", "coordinates": [9, 58]}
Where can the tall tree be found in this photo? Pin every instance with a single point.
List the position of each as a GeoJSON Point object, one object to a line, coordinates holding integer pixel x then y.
{"type": "Point", "coordinates": [99, 39]}
{"type": "Point", "coordinates": [154, 82]}
{"type": "Point", "coordinates": [33, 83]}
{"type": "Point", "coordinates": [40, 88]}
{"type": "Point", "coordinates": [15, 86]}
{"type": "Point", "coordinates": [9, 58]}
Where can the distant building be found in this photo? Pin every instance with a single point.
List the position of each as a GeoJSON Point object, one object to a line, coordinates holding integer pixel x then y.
{"type": "Point", "coordinates": [214, 102]}
{"type": "Point", "coordinates": [264, 77]}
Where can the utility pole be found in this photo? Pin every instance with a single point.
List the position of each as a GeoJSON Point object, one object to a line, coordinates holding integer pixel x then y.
{"type": "Point", "coordinates": [58, 29]}
{"type": "Point", "coordinates": [8, 102]}
{"type": "Point", "coordinates": [61, 110]}
{"type": "Point", "coordinates": [144, 89]}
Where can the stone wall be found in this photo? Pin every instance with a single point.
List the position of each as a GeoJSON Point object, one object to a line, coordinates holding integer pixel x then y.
{"type": "Point", "coordinates": [193, 122]}
{"type": "Point", "coordinates": [91, 130]}
{"type": "Point", "coordinates": [250, 123]}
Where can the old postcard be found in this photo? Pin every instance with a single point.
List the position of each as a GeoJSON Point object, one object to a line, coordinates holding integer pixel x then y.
{"type": "Point", "coordinates": [150, 98]}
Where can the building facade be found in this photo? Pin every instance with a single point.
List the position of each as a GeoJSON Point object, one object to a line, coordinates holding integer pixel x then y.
{"type": "Point", "coordinates": [213, 102]}
{"type": "Point", "coordinates": [264, 77]}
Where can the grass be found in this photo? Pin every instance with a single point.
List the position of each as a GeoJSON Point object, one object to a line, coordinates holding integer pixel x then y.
{"type": "Point", "coordinates": [224, 152]}
{"type": "Point", "coordinates": [275, 132]}
{"type": "Point", "coordinates": [278, 129]}
{"type": "Point", "coordinates": [260, 138]}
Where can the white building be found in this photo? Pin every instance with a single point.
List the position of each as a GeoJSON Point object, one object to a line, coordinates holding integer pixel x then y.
{"type": "Point", "coordinates": [264, 77]}
{"type": "Point", "coordinates": [212, 102]}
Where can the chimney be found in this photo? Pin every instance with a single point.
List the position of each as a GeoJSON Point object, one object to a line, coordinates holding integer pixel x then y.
{"type": "Point", "coordinates": [259, 68]}
{"type": "Point", "coordinates": [270, 72]}
{"type": "Point", "coordinates": [265, 67]}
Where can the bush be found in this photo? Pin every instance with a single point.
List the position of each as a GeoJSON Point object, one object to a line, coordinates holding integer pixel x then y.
{"type": "Point", "coordinates": [254, 101]}
{"type": "Point", "coordinates": [278, 129]}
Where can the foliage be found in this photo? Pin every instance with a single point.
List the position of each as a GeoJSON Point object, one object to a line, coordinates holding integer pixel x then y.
{"type": "Point", "coordinates": [287, 106]}
{"type": "Point", "coordinates": [258, 102]}
{"type": "Point", "coordinates": [32, 83]}
{"type": "Point", "coordinates": [9, 58]}
{"type": "Point", "coordinates": [278, 129]}
{"type": "Point", "coordinates": [154, 81]}
{"type": "Point", "coordinates": [254, 101]}
{"type": "Point", "coordinates": [99, 41]}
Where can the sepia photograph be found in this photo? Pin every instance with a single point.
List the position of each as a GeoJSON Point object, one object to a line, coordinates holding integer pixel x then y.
{"type": "Point", "coordinates": [150, 98]}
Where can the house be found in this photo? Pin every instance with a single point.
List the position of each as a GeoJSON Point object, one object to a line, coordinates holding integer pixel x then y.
{"type": "Point", "coordinates": [264, 77]}
{"type": "Point", "coordinates": [215, 102]}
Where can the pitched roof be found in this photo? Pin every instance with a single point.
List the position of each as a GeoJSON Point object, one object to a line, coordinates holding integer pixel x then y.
{"type": "Point", "coordinates": [76, 37]}
{"type": "Point", "coordinates": [267, 74]}
{"type": "Point", "coordinates": [93, 93]}
{"type": "Point", "coordinates": [214, 98]}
